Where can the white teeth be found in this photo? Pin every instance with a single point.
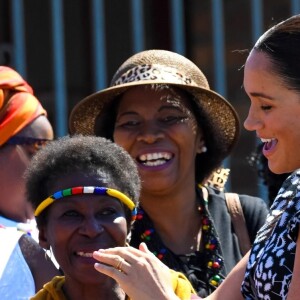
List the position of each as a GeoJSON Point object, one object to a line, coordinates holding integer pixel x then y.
{"type": "Point", "coordinates": [84, 254]}
{"type": "Point", "coordinates": [266, 140]}
{"type": "Point", "coordinates": [154, 163]}
{"type": "Point", "coordinates": [155, 156]}
{"type": "Point", "coordinates": [155, 159]}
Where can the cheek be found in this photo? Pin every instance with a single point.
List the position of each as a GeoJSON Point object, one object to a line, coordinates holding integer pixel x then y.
{"type": "Point", "coordinates": [58, 239]}
{"type": "Point", "coordinates": [120, 138]}
{"type": "Point", "coordinates": [118, 230]}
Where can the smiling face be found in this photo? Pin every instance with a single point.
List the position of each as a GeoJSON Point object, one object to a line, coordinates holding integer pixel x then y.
{"type": "Point", "coordinates": [274, 113]}
{"type": "Point", "coordinates": [78, 225]}
{"type": "Point", "coordinates": [160, 132]}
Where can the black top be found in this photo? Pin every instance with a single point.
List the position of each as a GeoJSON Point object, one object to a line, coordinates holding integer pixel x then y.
{"type": "Point", "coordinates": [255, 212]}
{"type": "Point", "coordinates": [194, 265]}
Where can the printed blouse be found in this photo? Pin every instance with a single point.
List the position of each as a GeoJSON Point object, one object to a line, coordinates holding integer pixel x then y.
{"type": "Point", "coordinates": [270, 266]}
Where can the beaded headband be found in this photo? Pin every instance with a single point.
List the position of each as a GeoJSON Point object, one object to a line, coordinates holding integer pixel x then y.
{"type": "Point", "coordinates": [87, 190]}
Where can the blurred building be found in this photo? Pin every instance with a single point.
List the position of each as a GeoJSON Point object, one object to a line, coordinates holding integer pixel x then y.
{"type": "Point", "coordinates": [68, 49]}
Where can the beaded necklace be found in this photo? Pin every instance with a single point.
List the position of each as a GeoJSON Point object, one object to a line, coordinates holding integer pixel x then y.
{"type": "Point", "coordinates": [211, 252]}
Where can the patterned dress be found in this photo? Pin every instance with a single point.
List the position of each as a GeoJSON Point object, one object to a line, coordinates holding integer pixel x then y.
{"type": "Point", "coordinates": [270, 266]}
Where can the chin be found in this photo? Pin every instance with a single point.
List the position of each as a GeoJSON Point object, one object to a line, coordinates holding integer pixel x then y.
{"type": "Point", "coordinates": [280, 169]}
{"type": "Point", "coordinates": [94, 278]}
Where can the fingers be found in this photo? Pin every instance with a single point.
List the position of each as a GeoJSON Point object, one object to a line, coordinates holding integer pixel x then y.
{"type": "Point", "coordinates": [110, 271]}
{"type": "Point", "coordinates": [127, 258]}
{"type": "Point", "coordinates": [128, 266]}
{"type": "Point", "coordinates": [112, 256]}
{"type": "Point", "coordinates": [112, 261]}
{"type": "Point", "coordinates": [143, 247]}
{"type": "Point", "coordinates": [119, 265]}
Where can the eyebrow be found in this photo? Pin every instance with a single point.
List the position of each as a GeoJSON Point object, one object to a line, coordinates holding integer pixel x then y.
{"type": "Point", "coordinates": [261, 95]}
{"type": "Point", "coordinates": [170, 106]}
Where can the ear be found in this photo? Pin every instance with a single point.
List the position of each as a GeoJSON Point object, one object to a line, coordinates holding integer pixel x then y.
{"type": "Point", "coordinates": [43, 240]}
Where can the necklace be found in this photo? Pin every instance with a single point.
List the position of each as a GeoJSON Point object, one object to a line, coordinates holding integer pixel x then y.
{"type": "Point", "coordinates": [208, 263]}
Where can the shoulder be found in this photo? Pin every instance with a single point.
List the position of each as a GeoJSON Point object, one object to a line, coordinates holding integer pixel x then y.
{"type": "Point", "coordinates": [41, 266]}
{"type": "Point", "coordinates": [248, 203]}
{"type": "Point", "coordinates": [255, 211]}
{"type": "Point", "coordinates": [29, 246]}
{"type": "Point", "coordinates": [253, 204]}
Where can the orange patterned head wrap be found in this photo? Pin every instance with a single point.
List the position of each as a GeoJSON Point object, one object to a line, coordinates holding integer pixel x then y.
{"type": "Point", "coordinates": [18, 105]}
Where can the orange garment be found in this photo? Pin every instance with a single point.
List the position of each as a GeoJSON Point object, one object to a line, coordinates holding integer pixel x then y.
{"type": "Point", "coordinates": [18, 105]}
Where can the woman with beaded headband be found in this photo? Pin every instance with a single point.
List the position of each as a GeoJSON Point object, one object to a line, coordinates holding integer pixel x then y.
{"type": "Point", "coordinates": [160, 109]}
{"type": "Point", "coordinates": [85, 193]}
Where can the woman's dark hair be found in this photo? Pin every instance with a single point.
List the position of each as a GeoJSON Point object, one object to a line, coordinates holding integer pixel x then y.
{"type": "Point", "coordinates": [89, 154]}
{"type": "Point", "coordinates": [282, 43]}
{"type": "Point", "coordinates": [206, 162]}
{"type": "Point", "coordinates": [272, 181]}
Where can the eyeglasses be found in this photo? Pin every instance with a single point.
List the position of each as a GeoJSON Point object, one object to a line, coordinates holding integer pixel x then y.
{"type": "Point", "coordinates": [24, 140]}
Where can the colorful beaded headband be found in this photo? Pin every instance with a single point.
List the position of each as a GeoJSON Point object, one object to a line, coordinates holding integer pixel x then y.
{"type": "Point", "coordinates": [87, 190]}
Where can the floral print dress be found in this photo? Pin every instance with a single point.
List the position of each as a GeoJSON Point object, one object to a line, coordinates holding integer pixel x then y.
{"type": "Point", "coordinates": [270, 266]}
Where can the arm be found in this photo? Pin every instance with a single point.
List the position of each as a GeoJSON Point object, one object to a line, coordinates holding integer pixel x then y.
{"type": "Point", "coordinates": [230, 289]}
{"type": "Point", "coordinates": [293, 293]}
{"type": "Point", "coordinates": [145, 277]}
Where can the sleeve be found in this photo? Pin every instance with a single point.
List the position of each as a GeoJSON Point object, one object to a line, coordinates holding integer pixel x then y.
{"type": "Point", "coordinates": [181, 285]}
{"type": "Point", "coordinates": [255, 211]}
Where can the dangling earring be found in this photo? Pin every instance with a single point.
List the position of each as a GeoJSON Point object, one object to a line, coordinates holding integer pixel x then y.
{"type": "Point", "coordinates": [203, 149]}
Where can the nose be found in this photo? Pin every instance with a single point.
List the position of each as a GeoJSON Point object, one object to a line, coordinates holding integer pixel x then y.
{"type": "Point", "coordinates": [150, 133]}
{"type": "Point", "coordinates": [252, 122]}
{"type": "Point", "coordinates": [91, 227]}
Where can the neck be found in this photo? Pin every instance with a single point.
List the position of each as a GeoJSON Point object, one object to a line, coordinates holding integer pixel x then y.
{"type": "Point", "coordinates": [75, 291]}
{"type": "Point", "coordinates": [176, 219]}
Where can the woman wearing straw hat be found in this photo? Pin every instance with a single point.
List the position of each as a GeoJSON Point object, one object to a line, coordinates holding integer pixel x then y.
{"type": "Point", "coordinates": [161, 110]}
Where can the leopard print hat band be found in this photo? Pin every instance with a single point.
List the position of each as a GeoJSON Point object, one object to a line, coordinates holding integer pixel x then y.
{"type": "Point", "coordinates": [154, 72]}
{"type": "Point", "coordinates": [165, 68]}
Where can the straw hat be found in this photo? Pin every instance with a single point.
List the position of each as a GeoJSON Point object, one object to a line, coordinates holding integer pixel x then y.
{"type": "Point", "coordinates": [160, 67]}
